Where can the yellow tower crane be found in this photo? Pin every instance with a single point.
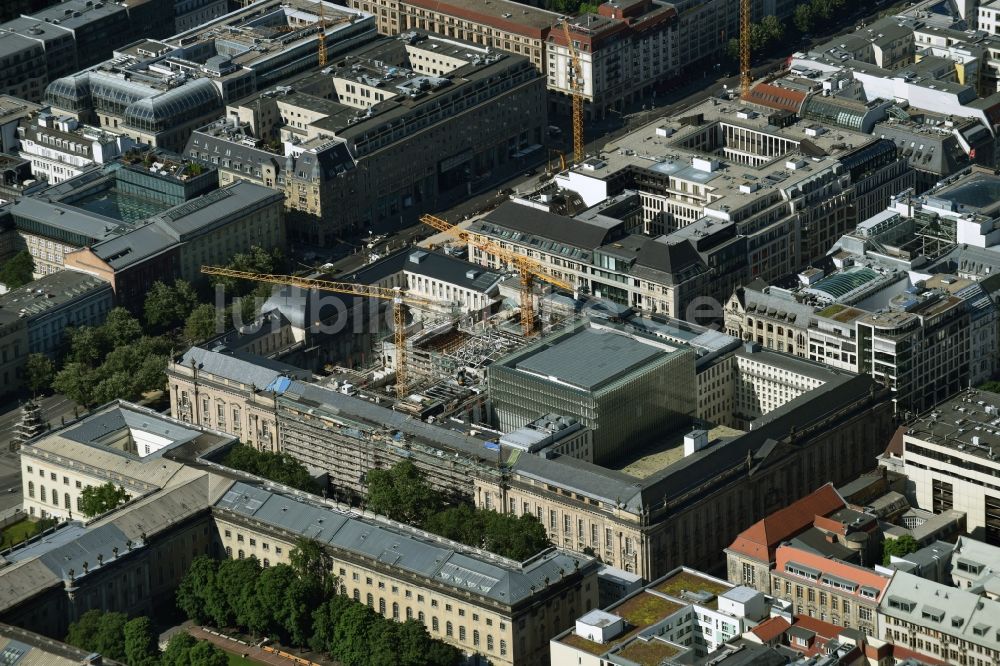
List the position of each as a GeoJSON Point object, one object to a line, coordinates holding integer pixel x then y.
{"type": "Point", "coordinates": [398, 297]}
{"type": "Point", "coordinates": [322, 36]}
{"type": "Point", "coordinates": [746, 79]}
{"type": "Point", "coordinates": [576, 85]}
{"type": "Point", "coordinates": [528, 268]}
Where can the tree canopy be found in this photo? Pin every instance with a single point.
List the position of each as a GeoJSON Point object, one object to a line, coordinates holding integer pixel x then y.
{"type": "Point", "coordinates": [402, 493]}
{"type": "Point", "coordinates": [169, 305]}
{"type": "Point", "coordinates": [97, 631]}
{"type": "Point", "coordinates": [291, 604]}
{"type": "Point", "coordinates": [95, 500]}
{"type": "Point", "coordinates": [112, 361]}
{"type": "Point", "coordinates": [39, 371]}
{"type": "Point", "coordinates": [17, 271]}
{"type": "Point", "coordinates": [277, 467]}
{"type": "Point", "coordinates": [899, 547]}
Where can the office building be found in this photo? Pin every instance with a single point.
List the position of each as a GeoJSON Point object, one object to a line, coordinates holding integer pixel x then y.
{"type": "Point", "coordinates": [13, 112]}
{"type": "Point", "coordinates": [36, 316]}
{"type": "Point", "coordinates": [626, 388]}
{"type": "Point", "coordinates": [59, 147]}
{"type": "Point", "coordinates": [948, 455]}
{"type": "Point", "coordinates": [389, 131]}
{"type": "Point", "coordinates": [41, 46]}
{"type": "Point", "coordinates": [158, 92]}
{"type": "Point", "coordinates": [143, 218]}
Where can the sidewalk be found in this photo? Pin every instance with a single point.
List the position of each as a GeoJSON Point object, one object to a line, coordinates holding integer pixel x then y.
{"type": "Point", "coordinates": [262, 655]}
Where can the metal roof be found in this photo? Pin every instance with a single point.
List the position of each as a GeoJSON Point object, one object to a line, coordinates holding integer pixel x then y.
{"type": "Point", "coordinates": [434, 265]}
{"type": "Point", "coordinates": [239, 366]}
{"type": "Point", "coordinates": [590, 358]}
{"type": "Point", "coordinates": [401, 547]}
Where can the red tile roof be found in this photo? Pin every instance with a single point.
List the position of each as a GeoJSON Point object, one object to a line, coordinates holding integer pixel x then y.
{"type": "Point", "coordinates": [775, 97]}
{"type": "Point", "coordinates": [895, 447]}
{"type": "Point", "coordinates": [825, 630]}
{"type": "Point", "coordinates": [851, 572]}
{"type": "Point", "coordinates": [770, 629]}
{"type": "Point", "coordinates": [761, 539]}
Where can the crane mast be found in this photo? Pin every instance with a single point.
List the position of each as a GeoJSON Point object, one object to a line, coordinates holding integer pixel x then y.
{"type": "Point", "coordinates": [746, 79]}
{"type": "Point", "coordinates": [395, 295]}
{"type": "Point", "coordinates": [576, 86]}
{"type": "Point", "coordinates": [528, 269]}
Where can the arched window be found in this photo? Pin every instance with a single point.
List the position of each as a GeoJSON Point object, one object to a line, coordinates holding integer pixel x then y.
{"type": "Point", "coordinates": [371, 601]}
{"type": "Point", "coordinates": [66, 501]}
{"type": "Point", "coordinates": [420, 615]}
{"type": "Point", "coordinates": [395, 611]}
{"type": "Point", "coordinates": [241, 554]}
{"type": "Point", "coordinates": [41, 492]}
{"type": "Point", "coordinates": [31, 489]}
{"type": "Point", "coordinates": [434, 624]}
{"type": "Point", "coordinates": [448, 630]}
{"type": "Point", "coordinates": [461, 633]}
{"type": "Point", "coordinates": [489, 642]}
{"type": "Point", "coordinates": [357, 595]}
{"type": "Point", "coordinates": [409, 613]}
{"type": "Point", "coordinates": [475, 637]}
{"type": "Point", "coordinates": [267, 563]}
{"type": "Point", "coordinates": [381, 606]}
{"type": "Point", "coordinates": [229, 551]}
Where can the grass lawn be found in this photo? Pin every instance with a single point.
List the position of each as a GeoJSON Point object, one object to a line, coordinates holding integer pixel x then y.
{"type": "Point", "coordinates": [236, 660]}
{"type": "Point", "coordinates": [19, 531]}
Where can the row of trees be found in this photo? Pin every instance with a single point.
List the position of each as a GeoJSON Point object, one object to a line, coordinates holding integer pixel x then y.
{"type": "Point", "coordinates": [402, 493]}
{"type": "Point", "coordinates": [278, 467]}
{"type": "Point", "coordinates": [769, 32]}
{"type": "Point", "coordinates": [815, 14]}
{"type": "Point", "coordinates": [133, 642]}
{"type": "Point", "coordinates": [298, 604]}
{"type": "Point", "coordinates": [125, 357]}
{"type": "Point", "coordinates": [106, 362]}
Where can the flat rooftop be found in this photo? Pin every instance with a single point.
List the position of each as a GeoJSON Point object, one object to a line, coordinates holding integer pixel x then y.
{"type": "Point", "coordinates": [49, 292]}
{"type": "Point", "coordinates": [590, 358]}
{"type": "Point", "coordinates": [968, 423]}
{"type": "Point", "coordinates": [504, 14]}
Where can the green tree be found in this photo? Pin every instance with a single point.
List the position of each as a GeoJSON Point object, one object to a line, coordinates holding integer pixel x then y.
{"type": "Point", "coordinates": [167, 305]}
{"type": "Point", "coordinates": [95, 500]}
{"type": "Point", "coordinates": [802, 18]}
{"type": "Point", "coordinates": [140, 643]}
{"type": "Point", "coordinates": [504, 534]}
{"type": "Point", "coordinates": [97, 631]}
{"type": "Point", "coordinates": [17, 271]}
{"type": "Point", "coordinates": [310, 561]}
{"type": "Point", "coordinates": [238, 580]}
{"type": "Point", "coordinates": [352, 635]}
{"type": "Point", "coordinates": [773, 29]}
{"type": "Point", "coordinates": [900, 547]}
{"type": "Point", "coordinates": [278, 467]}
{"type": "Point", "coordinates": [204, 322]}
{"type": "Point", "coordinates": [733, 48]}
{"type": "Point", "coordinates": [88, 345]}
{"type": "Point", "coordinates": [39, 372]}
{"type": "Point", "coordinates": [402, 493]}
{"type": "Point", "coordinates": [296, 613]}
{"type": "Point", "coordinates": [192, 591]}
{"type": "Point", "coordinates": [177, 651]}
{"type": "Point", "coordinates": [272, 588]}
{"type": "Point", "coordinates": [121, 327]}
{"type": "Point", "coordinates": [76, 381]}
{"type": "Point", "coordinates": [206, 654]}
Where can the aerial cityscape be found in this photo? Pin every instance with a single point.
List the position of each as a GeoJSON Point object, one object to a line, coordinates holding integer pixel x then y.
{"type": "Point", "coordinates": [499, 332]}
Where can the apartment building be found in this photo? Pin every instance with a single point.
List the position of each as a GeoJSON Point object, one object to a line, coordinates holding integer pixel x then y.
{"type": "Point", "coordinates": [624, 49]}
{"type": "Point", "coordinates": [158, 92]}
{"type": "Point", "coordinates": [942, 622]}
{"type": "Point", "coordinates": [684, 615]}
{"type": "Point", "coordinates": [391, 130]}
{"type": "Point", "coordinates": [59, 147]}
{"type": "Point", "coordinates": [828, 589]}
{"type": "Point", "coordinates": [788, 186]}
{"type": "Point", "coordinates": [669, 275]}
{"type": "Point", "coordinates": [948, 455]}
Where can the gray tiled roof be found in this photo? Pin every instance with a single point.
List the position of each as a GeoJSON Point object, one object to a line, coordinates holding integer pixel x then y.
{"type": "Point", "coordinates": [239, 366]}
{"type": "Point", "coordinates": [398, 546]}
{"type": "Point", "coordinates": [576, 233]}
{"type": "Point", "coordinates": [434, 265]}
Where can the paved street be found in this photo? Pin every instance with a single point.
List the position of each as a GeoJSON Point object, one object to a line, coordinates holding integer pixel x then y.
{"type": "Point", "coordinates": [54, 409]}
